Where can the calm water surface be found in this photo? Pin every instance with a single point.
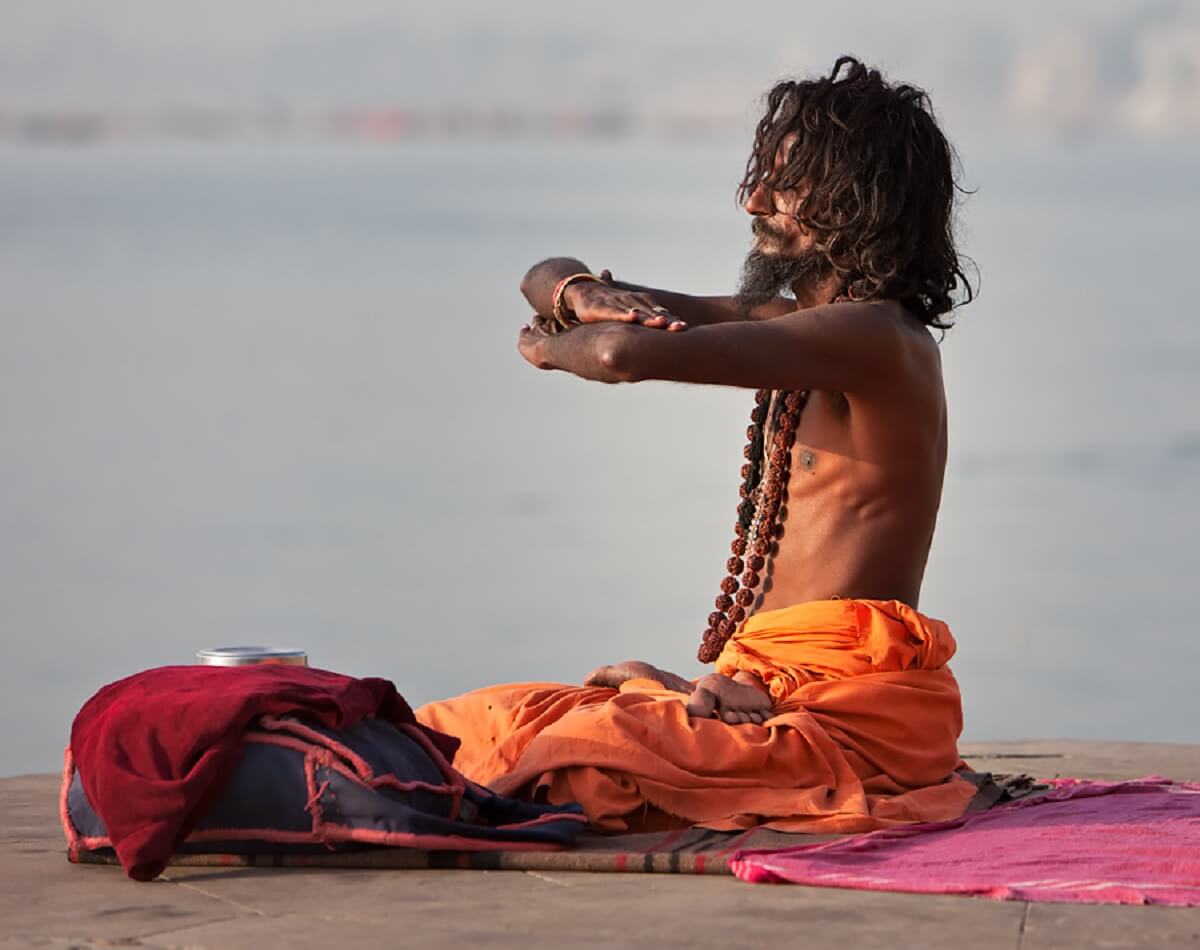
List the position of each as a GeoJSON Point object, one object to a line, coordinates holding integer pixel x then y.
{"type": "Point", "coordinates": [272, 395]}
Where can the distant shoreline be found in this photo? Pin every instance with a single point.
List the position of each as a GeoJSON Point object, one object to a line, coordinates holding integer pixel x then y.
{"type": "Point", "coordinates": [365, 125]}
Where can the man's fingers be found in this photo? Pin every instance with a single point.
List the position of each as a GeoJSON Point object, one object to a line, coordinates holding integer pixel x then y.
{"type": "Point", "coordinates": [660, 320]}
{"type": "Point", "coordinates": [647, 318]}
{"type": "Point", "coordinates": [598, 304]}
{"type": "Point", "coordinates": [736, 717]}
{"type": "Point", "coordinates": [607, 314]}
{"type": "Point", "coordinates": [536, 326]}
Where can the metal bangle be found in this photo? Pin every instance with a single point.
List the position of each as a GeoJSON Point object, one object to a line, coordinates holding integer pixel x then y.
{"type": "Point", "coordinates": [558, 310]}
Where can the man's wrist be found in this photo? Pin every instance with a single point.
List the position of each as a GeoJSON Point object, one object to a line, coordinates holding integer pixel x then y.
{"type": "Point", "coordinates": [573, 294]}
{"type": "Point", "coordinates": [541, 279]}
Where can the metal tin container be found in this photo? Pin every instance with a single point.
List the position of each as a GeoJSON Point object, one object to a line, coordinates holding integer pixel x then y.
{"type": "Point", "coordinates": [250, 656]}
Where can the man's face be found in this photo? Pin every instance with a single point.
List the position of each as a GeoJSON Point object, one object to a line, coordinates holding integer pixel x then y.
{"type": "Point", "coordinates": [782, 253]}
{"type": "Point", "coordinates": [774, 224]}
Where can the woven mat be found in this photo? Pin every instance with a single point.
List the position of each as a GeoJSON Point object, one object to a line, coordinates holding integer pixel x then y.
{"type": "Point", "coordinates": [683, 851]}
{"type": "Point", "coordinates": [686, 851]}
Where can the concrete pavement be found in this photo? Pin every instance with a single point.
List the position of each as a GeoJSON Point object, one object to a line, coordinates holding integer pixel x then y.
{"type": "Point", "coordinates": [46, 902]}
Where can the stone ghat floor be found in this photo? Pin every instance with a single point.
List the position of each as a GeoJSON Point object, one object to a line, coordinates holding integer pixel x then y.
{"type": "Point", "coordinates": [46, 902]}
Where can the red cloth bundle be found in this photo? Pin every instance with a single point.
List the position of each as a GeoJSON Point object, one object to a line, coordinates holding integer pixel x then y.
{"type": "Point", "coordinates": [155, 749]}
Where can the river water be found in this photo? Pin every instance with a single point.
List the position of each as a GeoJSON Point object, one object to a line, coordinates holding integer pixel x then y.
{"type": "Point", "coordinates": [271, 394]}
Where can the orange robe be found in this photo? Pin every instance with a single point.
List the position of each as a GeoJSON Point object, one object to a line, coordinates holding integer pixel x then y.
{"type": "Point", "coordinates": [863, 732]}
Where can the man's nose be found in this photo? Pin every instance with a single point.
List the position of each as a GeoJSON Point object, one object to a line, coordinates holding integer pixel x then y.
{"type": "Point", "coordinates": [758, 202]}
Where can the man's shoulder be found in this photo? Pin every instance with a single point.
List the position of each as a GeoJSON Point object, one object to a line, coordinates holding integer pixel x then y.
{"type": "Point", "coordinates": [905, 355]}
{"type": "Point", "coordinates": [889, 329]}
{"type": "Point", "coordinates": [887, 314]}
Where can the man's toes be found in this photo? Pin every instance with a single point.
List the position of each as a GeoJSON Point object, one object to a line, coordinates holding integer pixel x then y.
{"type": "Point", "coordinates": [701, 703]}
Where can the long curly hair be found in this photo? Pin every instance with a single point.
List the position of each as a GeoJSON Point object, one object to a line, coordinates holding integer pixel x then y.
{"type": "Point", "coordinates": [881, 185]}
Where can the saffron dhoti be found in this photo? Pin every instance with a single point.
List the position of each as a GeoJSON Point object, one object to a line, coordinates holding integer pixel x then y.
{"type": "Point", "coordinates": [863, 732]}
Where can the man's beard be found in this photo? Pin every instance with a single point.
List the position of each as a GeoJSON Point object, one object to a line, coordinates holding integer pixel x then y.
{"type": "Point", "coordinates": [765, 276]}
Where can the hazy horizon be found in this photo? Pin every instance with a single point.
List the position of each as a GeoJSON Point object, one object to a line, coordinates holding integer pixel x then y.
{"type": "Point", "coordinates": [1069, 69]}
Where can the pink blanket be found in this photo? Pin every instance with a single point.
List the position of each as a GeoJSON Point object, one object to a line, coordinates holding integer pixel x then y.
{"type": "Point", "coordinates": [1083, 842]}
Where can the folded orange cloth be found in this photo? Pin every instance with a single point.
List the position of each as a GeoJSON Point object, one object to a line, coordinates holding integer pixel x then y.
{"type": "Point", "coordinates": [863, 734]}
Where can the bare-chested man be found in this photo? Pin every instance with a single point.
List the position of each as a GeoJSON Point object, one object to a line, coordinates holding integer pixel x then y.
{"type": "Point", "coordinates": [850, 189]}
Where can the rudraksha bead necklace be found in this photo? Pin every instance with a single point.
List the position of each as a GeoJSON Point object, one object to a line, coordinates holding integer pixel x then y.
{"type": "Point", "coordinates": [764, 481]}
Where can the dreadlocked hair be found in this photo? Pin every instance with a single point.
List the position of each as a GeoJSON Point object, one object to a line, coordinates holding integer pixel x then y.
{"type": "Point", "coordinates": [878, 182]}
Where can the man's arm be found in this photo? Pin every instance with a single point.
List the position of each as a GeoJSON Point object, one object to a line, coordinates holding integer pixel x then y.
{"type": "Point", "coordinates": [707, 310]}
{"type": "Point", "coordinates": [843, 347]}
{"type": "Point", "coordinates": [588, 298]}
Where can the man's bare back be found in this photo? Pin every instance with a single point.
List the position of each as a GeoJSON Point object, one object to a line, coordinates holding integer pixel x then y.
{"type": "Point", "coordinates": [864, 489]}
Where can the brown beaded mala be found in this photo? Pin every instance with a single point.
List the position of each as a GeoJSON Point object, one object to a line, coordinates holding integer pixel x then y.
{"type": "Point", "coordinates": [764, 480]}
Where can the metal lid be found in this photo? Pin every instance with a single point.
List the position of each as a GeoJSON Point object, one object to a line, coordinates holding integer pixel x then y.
{"type": "Point", "coordinates": [248, 656]}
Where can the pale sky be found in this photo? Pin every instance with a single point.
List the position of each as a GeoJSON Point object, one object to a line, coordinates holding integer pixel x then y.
{"type": "Point", "coordinates": [1132, 67]}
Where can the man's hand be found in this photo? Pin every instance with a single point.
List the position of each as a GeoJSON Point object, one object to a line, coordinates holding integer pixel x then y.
{"type": "Point", "coordinates": [734, 700]}
{"type": "Point", "coordinates": [530, 341]}
{"type": "Point", "coordinates": [594, 302]}
{"type": "Point", "coordinates": [614, 676]}
{"type": "Point", "coordinates": [591, 301]}
{"type": "Point", "coordinates": [590, 352]}
{"type": "Point", "coordinates": [539, 283]}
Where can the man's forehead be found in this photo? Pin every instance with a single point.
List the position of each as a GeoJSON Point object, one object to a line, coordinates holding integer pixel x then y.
{"type": "Point", "coordinates": [786, 145]}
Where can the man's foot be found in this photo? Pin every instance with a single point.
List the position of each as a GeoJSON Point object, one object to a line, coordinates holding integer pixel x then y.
{"type": "Point", "coordinates": [613, 676]}
{"type": "Point", "coordinates": [732, 701]}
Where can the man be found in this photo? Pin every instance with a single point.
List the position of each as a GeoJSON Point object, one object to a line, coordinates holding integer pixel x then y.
{"type": "Point", "coordinates": [832, 707]}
